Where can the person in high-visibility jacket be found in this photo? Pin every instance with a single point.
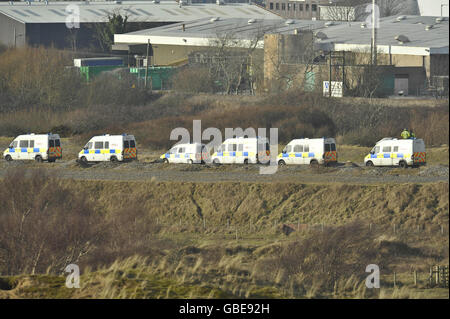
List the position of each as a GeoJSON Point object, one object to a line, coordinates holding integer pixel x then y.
{"type": "Point", "coordinates": [412, 135]}
{"type": "Point", "coordinates": [405, 134]}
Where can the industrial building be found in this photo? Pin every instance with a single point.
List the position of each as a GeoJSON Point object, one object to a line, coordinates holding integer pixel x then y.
{"type": "Point", "coordinates": [415, 48]}
{"type": "Point", "coordinates": [44, 23]}
{"type": "Point", "coordinates": [296, 9]}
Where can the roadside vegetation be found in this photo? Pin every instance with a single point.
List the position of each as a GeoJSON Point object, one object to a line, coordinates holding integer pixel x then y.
{"type": "Point", "coordinates": [46, 96]}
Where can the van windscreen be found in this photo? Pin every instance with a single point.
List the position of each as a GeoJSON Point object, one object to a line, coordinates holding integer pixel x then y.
{"type": "Point", "coordinates": [51, 143]}
{"type": "Point", "coordinates": [57, 143]}
{"type": "Point", "coordinates": [126, 144]}
{"type": "Point", "coordinates": [132, 143]}
{"type": "Point", "coordinates": [327, 148]}
{"type": "Point", "coordinates": [333, 147]}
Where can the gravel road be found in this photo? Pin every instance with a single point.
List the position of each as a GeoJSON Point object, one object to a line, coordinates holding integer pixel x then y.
{"type": "Point", "coordinates": [348, 173]}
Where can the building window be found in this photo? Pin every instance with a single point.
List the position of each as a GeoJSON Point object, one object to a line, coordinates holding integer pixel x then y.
{"type": "Point", "coordinates": [289, 7]}
{"type": "Point", "coordinates": [314, 7]}
{"type": "Point", "coordinates": [271, 6]}
{"type": "Point", "coordinates": [307, 7]}
{"type": "Point", "coordinates": [293, 6]}
{"type": "Point", "coordinates": [300, 7]}
{"type": "Point", "coordinates": [283, 6]}
{"type": "Point", "coordinates": [277, 6]}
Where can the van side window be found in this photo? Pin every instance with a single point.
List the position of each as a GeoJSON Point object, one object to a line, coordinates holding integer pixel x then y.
{"type": "Point", "coordinates": [107, 145]}
{"type": "Point", "coordinates": [89, 145]}
{"type": "Point", "coordinates": [98, 145]}
{"type": "Point", "coordinates": [14, 144]}
{"type": "Point", "coordinates": [240, 147]}
{"type": "Point", "coordinates": [298, 148]}
{"type": "Point", "coordinates": [288, 148]}
{"type": "Point", "coordinates": [306, 148]}
{"type": "Point", "coordinates": [395, 149]}
{"type": "Point", "coordinates": [181, 150]}
{"type": "Point", "coordinates": [51, 143]}
{"type": "Point", "coordinates": [333, 147]}
{"type": "Point", "coordinates": [31, 144]}
{"type": "Point", "coordinates": [327, 147]}
{"type": "Point", "coordinates": [231, 147]}
{"type": "Point", "coordinates": [377, 149]}
{"type": "Point", "coordinates": [386, 149]}
{"type": "Point", "coordinates": [126, 144]}
{"type": "Point", "coordinates": [173, 150]}
{"type": "Point", "coordinates": [23, 144]}
{"type": "Point", "coordinates": [57, 143]}
{"type": "Point", "coordinates": [132, 143]}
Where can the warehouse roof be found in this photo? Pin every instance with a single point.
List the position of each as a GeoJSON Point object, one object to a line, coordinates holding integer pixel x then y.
{"type": "Point", "coordinates": [421, 33]}
{"type": "Point", "coordinates": [425, 34]}
{"type": "Point", "coordinates": [200, 32]}
{"type": "Point", "coordinates": [138, 11]}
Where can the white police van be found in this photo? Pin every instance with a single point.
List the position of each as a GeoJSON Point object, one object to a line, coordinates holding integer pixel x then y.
{"type": "Point", "coordinates": [38, 147]}
{"type": "Point", "coordinates": [309, 151]}
{"type": "Point", "coordinates": [186, 153]}
{"type": "Point", "coordinates": [114, 148]}
{"type": "Point", "coordinates": [397, 152]}
{"type": "Point", "coordinates": [242, 150]}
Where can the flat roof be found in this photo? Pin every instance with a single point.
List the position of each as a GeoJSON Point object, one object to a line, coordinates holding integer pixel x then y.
{"type": "Point", "coordinates": [138, 11]}
{"type": "Point", "coordinates": [338, 35]}
{"type": "Point", "coordinates": [200, 32]}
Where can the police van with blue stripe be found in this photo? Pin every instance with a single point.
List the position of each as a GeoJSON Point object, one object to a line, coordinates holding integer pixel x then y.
{"type": "Point", "coordinates": [242, 150]}
{"type": "Point", "coordinates": [38, 147]}
{"type": "Point", "coordinates": [188, 153]}
{"type": "Point", "coordinates": [309, 151]}
{"type": "Point", "coordinates": [114, 148]}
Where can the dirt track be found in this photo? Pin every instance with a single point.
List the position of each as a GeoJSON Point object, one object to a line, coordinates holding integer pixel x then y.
{"type": "Point", "coordinates": [136, 171]}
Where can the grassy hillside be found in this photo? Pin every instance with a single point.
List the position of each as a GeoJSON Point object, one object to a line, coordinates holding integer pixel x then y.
{"type": "Point", "coordinates": [209, 240]}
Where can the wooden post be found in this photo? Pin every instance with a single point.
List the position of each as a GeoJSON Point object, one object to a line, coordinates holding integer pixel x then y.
{"type": "Point", "coordinates": [442, 229]}
{"type": "Point", "coordinates": [204, 223]}
{"type": "Point", "coordinates": [236, 233]}
{"type": "Point", "coordinates": [431, 276]}
{"type": "Point", "coordinates": [438, 268]}
{"type": "Point", "coordinates": [370, 227]}
{"type": "Point", "coordinates": [298, 225]}
{"type": "Point", "coordinates": [395, 279]}
{"type": "Point", "coordinates": [394, 229]}
{"type": "Point", "coordinates": [322, 227]}
{"type": "Point", "coordinates": [415, 278]}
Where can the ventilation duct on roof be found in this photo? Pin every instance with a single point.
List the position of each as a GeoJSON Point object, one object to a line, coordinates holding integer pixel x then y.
{"type": "Point", "coordinates": [288, 22]}
{"type": "Point", "coordinates": [220, 2]}
{"type": "Point", "coordinates": [214, 19]}
{"type": "Point", "coordinates": [329, 24]}
{"type": "Point", "coordinates": [251, 21]}
{"type": "Point", "coordinates": [363, 25]}
{"type": "Point", "coordinates": [156, 1]}
{"type": "Point", "coordinates": [440, 19]}
{"type": "Point", "coordinates": [400, 18]}
{"type": "Point", "coordinates": [428, 27]}
{"type": "Point", "coordinates": [402, 39]}
{"type": "Point", "coordinates": [321, 36]}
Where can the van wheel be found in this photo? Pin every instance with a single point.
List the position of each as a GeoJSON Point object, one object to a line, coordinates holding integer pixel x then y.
{"type": "Point", "coordinates": [8, 158]}
{"type": "Point", "coordinates": [83, 160]}
{"type": "Point", "coordinates": [113, 159]}
{"type": "Point", "coordinates": [281, 163]}
{"type": "Point", "coordinates": [246, 161]}
{"type": "Point", "coordinates": [165, 161]}
{"type": "Point", "coordinates": [38, 158]}
{"type": "Point", "coordinates": [216, 162]}
{"type": "Point", "coordinates": [369, 164]}
{"type": "Point", "coordinates": [403, 164]}
{"type": "Point", "coordinates": [314, 163]}
{"type": "Point", "coordinates": [190, 162]}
